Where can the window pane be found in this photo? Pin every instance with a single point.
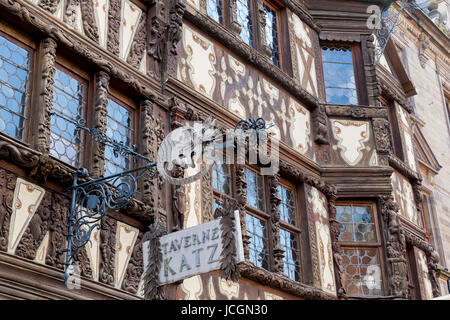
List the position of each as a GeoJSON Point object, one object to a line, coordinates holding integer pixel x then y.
{"type": "Point", "coordinates": [339, 75]}
{"type": "Point", "coordinates": [290, 245]}
{"type": "Point", "coordinates": [214, 10]}
{"type": "Point", "coordinates": [244, 19]}
{"type": "Point", "coordinates": [356, 223]}
{"type": "Point", "coordinates": [258, 241]}
{"type": "Point", "coordinates": [255, 189]}
{"type": "Point", "coordinates": [69, 102]}
{"type": "Point", "coordinates": [221, 178]}
{"type": "Point", "coordinates": [287, 205]}
{"type": "Point", "coordinates": [362, 272]}
{"type": "Point", "coordinates": [272, 34]}
{"type": "Point", "coordinates": [120, 129]}
{"type": "Point", "coordinates": [14, 72]}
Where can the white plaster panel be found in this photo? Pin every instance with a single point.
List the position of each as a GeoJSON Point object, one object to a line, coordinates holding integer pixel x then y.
{"type": "Point", "coordinates": [131, 15]}
{"type": "Point", "coordinates": [125, 239]}
{"type": "Point", "coordinates": [300, 127]}
{"type": "Point", "coordinates": [101, 8]}
{"type": "Point", "coordinates": [352, 137]}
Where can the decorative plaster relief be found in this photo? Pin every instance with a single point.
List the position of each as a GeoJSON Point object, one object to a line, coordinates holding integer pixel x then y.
{"type": "Point", "coordinates": [300, 127]}
{"type": "Point", "coordinates": [125, 239]}
{"type": "Point", "coordinates": [404, 196]}
{"type": "Point", "coordinates": [317, 201]}
{"type": "Point", "coordinates": [192, 287]}
{"type": "Point", "coordinates": [352, 137]}
{"type": "Point", "coordinates": [27, 198]}
{"type": "Point", "coordinates": [229, 288]}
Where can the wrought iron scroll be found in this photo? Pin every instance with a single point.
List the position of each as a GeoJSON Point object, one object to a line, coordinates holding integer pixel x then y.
{"type": "Point", "coordinates": [388, 22]}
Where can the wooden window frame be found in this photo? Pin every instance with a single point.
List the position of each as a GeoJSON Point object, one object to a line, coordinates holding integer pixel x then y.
{"type": "Point", "coordinates": [70, 69]}
{"type": "Point", "coordinates": [277, 8]}
{"type": "Point", "coordinates": [395, 129]}
{"type": "Point", "coordinates": [378, 244]}
{"type": "Point", "coordinates": [31, 47]}
{"type": "Point", "coordinates": [358, 70]}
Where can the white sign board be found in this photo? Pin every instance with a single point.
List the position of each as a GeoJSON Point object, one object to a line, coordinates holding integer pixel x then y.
{"type": "Point", "coordinates": [193, 251]}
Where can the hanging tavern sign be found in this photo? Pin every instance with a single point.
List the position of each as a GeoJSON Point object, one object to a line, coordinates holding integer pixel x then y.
{"type": "Point", "coordinates": [194, 250]}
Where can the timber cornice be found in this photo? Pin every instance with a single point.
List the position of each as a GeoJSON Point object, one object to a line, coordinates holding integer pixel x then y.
{"type": "Point", "coordinates": [27, 279]}
{"type": "Point", "coordinates": [281, 282]}
{"type": "Point", "coordinates": [251, 55]}
{"type": "Point", "coordinates": [396, 163]}
{"type": "Point", "coordinates": [357, 112]}
{"type": "Point", "coordinates": [390, 89]}
{"type": "Point", "coordinates": [47, 25]}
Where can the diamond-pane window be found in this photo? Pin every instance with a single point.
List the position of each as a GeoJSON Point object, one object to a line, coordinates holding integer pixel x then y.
{"type": "Point", "coordinates": [214, 10]}
{"type": "Point", "coordinates": [272, 34]}
{"type": "Point", "coordinates": [255, 189]}
{"type": "Point", "coordinates": [245, 20]}
{"type": "Point", "coordinates": [338, 69]}
{"type": "Point", "coordinates": [14, 74]}
{"type": "Point", "coordinates": [256, 230]}
{"type": "Point", "coordinates": [69, 100]}
{"type": "Point", "coordinates": [119, 128]}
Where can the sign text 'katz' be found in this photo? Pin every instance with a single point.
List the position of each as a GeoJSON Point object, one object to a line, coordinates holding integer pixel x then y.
{"type": "Point", "coordinates": [194, 250]}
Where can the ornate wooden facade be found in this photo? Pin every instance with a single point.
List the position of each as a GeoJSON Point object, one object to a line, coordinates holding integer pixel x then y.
{"type": "Point", "coordinates": [169, 62]}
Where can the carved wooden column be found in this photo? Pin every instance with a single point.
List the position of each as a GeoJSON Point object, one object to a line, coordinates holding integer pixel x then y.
{"type": "Point", "coordinates": [235, 27]}
{"type": "Point", "coordinates": [97, 167]}
{"type": "Point", "coordinates": [46, 74]}
{"type": "Point", "coordinates": [381, 133]}
{"type": "Point", "coordinates": [395, 248]}
{"type": "Point", "coordinates": [241, 194]}
{"type": "Point", "coordinates": [278, 252]}
{"type": "Point", "coordinates": [178, 112]}
{"type": "Point", "coordinates": [334, 231]}
{"type": "Point", "coordinates": [261, 29]}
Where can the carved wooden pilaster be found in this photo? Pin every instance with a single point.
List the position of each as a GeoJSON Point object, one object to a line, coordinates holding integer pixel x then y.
{"type": "Point", "coordinates": [368, 56]}
{"type": "Point", "coordinates": [107, 250]}
{"type": "Point", "coordinates": [175, 24]}
{"type": "Point", "coordinates": [7, 187]}
{"type": "Point", "coordinates": [261, 28]}
{"type": "Point", "coordinates": [45, 92]}
{"type": "Point", "coordinates": [241, 195]}
{"type": "Point", "coordinates": [49, 5]}
{"type": "Point", "coordinates": [235, 26]}
{"type": "Point", "coordinates": [134, 269]}
{"type": "Point", "coordinates": [152, 288]}
{"type": "Point", "coordinates": [278, 252]}
{"type": "Point", "coordinates": [334, 231]}
{"type": "Point", "coordinates": [382, 141]}
{"type": "Point", "coordinates": [320, 128]}
{"type": "Point", "coordinates": [156, 35]}
{"type": "Point", "coordinates": [100, 121]}
{"type": "Point", "coordinates": [114, 14]}
{"type": "Point", "coordinates": [395, 248]}
{"type": "Point", "coordinates": [88, 17]}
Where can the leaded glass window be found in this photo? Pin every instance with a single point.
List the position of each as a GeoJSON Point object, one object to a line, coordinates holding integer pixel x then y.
{"type": "Point", "coordinates": [255, 189]}
{"type": "Point", "coordinates": [14, 74]}
{"type": "Point", "coordinates": [339, 74]}
{"type": "Point", "coordinates": [361, 247]}
{"type": "Point", "coordinates": [221, 183]}
{"type": "Point", "coordinates": [120, 128]}
{"type": "Point", "coordinates": [214, 10]}
{"type": "Point", "coordinates": [256, 230]}
{"type": "Point", "coordinates": [69, 101]}
{"type": "Point", "coordinates": [272, 34]}
{"type": "Point", "coordinates": [245, 20]}
{"type": "Point", "coordinates": [289, 233]}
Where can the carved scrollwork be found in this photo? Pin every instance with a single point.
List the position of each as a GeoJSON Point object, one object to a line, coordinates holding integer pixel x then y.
{"type": "Point", "coordinates": [138, 46]}
{"type": "Point", "coordinates": [49, 5]}
{"type": "Point", "coordinates": [16, 154]}
{"type": "Point", "coordinates": [114, 14]}
{"type": "Point", "coordinates": [7, 186]}
{"type": "Point", "coordinates": [135, 268]}
{"type": "Point", "coordinates": [89, 24]}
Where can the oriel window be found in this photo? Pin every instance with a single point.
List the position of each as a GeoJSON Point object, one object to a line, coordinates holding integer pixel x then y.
{"type": "Point", "coordinates": [69, 103]}
{"type": "Point", "coordinates": [342, 79]}
{"type": "Point", "coordinates": [15, 66]}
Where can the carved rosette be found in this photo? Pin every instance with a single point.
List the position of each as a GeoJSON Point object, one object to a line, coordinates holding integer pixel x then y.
{"type": "Point", "coordinates": [152, 288]}
{"type": "Point", "coordinates": [114, 14]}
{"type": "Point", "coordinates": [278, 252]}
{"type": "Point", "coordinates": [46, 94]}
{"type": "Point", "coordinates": [88, 18]}
{"type": "Point", "coordinates": [7, 186]}
{"type": "Point", "coordinates": [100, 119]}
{"type": "Point", "coordinates": [107, 250]}
{"type": "Point", "coordinates": [395, 248]}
